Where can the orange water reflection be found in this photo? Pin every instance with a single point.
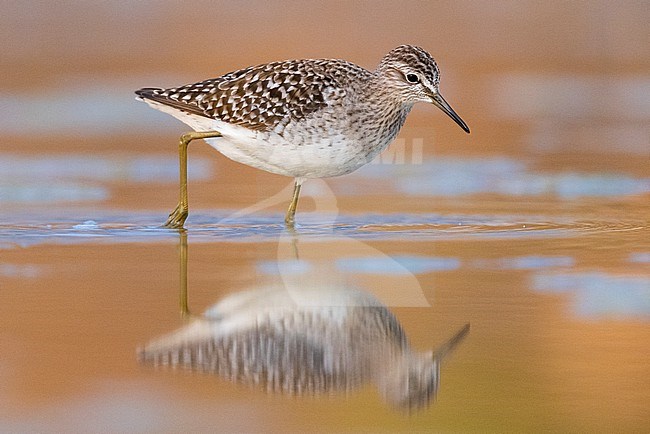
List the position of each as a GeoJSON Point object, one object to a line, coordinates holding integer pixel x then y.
{"type": "Point", "coordinates": [534, 228]}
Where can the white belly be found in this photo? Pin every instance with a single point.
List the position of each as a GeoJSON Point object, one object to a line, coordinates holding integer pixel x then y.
{"type": "Point", "coordinates": [299, 152]}
{"type": "Point", "coordinates": [275, 154]}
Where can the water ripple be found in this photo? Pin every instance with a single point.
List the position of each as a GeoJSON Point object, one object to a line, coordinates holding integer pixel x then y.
{"type": "Point", "coordinates": [269, 227]}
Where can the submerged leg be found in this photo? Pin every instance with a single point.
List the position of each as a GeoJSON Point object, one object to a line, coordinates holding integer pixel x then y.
{"type": "Point", "coordinates": [185, 310]}
{"type": "Point", "coordinates": [177, 217]}
{"type": "Point", "coordinates": [289, 219]}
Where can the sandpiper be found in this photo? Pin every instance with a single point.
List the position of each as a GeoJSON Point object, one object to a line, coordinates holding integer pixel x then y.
{"type": "Point", "coordinates": [322, 338]}
{"type": "Point", "coordinates": [310, 118]}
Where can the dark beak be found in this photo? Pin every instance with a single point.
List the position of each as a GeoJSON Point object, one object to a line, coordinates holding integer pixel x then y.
{"type": "Point", "coordinates": [440, 102]}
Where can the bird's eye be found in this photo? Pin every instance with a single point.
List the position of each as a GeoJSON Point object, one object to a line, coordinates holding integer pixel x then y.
{"type": "Point", "coordinates": [412, 78]}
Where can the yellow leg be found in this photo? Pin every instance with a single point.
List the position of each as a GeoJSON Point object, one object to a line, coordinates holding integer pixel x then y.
{"type": "Point", "coordinates": [290, 218]}
{"type": "Point", "coordinates": [177, 217]}
{"type": "Point", "coordinates": [185, 310]}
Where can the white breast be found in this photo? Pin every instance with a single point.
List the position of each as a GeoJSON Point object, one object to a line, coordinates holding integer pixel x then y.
{"type": "Point", "coordinates": [301, 150]}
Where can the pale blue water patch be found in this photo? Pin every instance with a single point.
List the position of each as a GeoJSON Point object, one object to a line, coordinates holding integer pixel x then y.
{"type": "Point", "coordinates": [150, 168]}
{"type": "Point", "coordinates": [121, 406]}
{"type": "Point", "coordinates": [79, 178]}
{"type": "Point", "coordinates": [84, 106]}
{"type": "Point", "coordinates": [641, 257]}
{"type": "Point", "coordinates": [525, 262]}
{"type": "Point", "coordinates": [525, 96]}
{"type": "Point", "coordinates": [51, 193]}
{"type": "Point", "coordinates": [289, 266]}
{"type": "Point", "coordinates": [574, 185]}
{"type": "Point", "coordinates": [29, 271]}
{"type": "Point", "coordinates": [600, 295]}
{"type": "Point", "coordinates": [566, 111]}
{"type": "Point", "coordinates": [448, 176]}
{"type": "Point", "coordinates": [397, 264]}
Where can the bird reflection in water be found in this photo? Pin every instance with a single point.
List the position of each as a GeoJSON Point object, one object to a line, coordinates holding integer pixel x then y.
{"type": "Point", "coordinates": [315, 339]}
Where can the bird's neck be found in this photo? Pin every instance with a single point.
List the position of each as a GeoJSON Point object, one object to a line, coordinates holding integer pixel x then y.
{"type": "Point", "coordinates": [386, 106]}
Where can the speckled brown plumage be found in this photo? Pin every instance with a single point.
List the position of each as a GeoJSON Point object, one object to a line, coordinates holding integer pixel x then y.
{"type": "Point", "coordinates": [321, 340]}
{"type": "Point", "coordinates": [264, 96]}
{"type": "Point", "coordinates": [311, 118]}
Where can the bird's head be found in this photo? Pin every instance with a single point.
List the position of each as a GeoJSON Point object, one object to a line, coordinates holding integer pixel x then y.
{"type": "Point", "coordinates": [414, 75]}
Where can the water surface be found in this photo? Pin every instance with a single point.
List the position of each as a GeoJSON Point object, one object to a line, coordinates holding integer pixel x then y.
{"type": "Point", "coordinates": [534, 229]}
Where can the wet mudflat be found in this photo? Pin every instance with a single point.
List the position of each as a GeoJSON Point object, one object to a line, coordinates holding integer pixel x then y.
{"type": "Point", "coordinates": [558, 304]}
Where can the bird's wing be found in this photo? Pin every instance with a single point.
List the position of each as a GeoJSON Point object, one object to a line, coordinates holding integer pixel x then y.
{"type": "Point", "coordinates": [262, 97]}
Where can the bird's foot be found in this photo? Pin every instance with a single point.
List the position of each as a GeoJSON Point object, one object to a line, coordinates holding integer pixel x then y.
{"type": "Point", "coordinates": [177, 217]}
